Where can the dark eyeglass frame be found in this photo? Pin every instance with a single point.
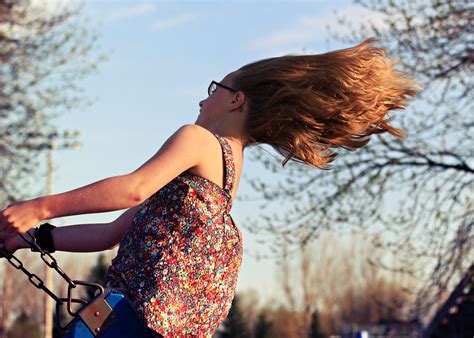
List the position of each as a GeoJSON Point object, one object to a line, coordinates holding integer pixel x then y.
{"type": "Point", "coordinates": [210, 90]}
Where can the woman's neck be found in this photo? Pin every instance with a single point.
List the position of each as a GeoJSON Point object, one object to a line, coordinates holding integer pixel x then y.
{"type": "Point", "coordinates": [232, 132]}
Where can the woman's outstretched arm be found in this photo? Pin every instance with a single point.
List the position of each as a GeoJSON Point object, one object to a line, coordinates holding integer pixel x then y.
{"type": "Point", "coordinates": [82, 237]}
{"type": "Point", "coordinates": [179, 153]}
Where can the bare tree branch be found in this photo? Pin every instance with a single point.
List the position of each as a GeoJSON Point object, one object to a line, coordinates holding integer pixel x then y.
{"type": "Point", "coordinates": [416, 193]}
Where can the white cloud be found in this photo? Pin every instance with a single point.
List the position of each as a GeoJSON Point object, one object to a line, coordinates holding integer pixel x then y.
{"type": "Point", "coordinates": [313, 28]}
{"type": "Point", "coordinates": [172, 22]}
{"type": "Point", "coordinates": [133, 11]}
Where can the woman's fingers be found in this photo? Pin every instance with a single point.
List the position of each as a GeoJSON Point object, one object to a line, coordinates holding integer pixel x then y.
{"type": "Point", "coordinates": [5, 250]}
{"type": "Point", "coordinates": [18, 218]}
{"type": "Point", "coordinates": [2, 220]}
{"type": "Point", "coordinates": [5, 253]}
{"type": "Point", "coordinates": [11, 244]}
{"type": "Point", "coordinates": [5, 222]}
{"type": "Point", "coordinates": [7, 234]}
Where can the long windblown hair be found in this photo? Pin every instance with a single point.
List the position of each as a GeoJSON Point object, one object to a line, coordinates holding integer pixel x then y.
{"type": "Point", "coordinates": [304, 105]}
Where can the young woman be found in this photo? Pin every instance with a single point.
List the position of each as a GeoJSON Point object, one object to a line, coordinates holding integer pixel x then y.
{"type": "Point", "coordinates": [180, 251]}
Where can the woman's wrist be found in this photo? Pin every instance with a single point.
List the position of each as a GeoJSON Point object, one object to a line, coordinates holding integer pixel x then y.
{"type": "Point", "coordinates": [21, 243]}
{"type": "Point", "coordinates": [41, 204]}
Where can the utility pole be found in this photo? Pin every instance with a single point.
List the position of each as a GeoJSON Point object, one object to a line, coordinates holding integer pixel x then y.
{"type": "Point", "coordinates": [54, 144]}
{"type": "Point", "coordinates": [48, 306]}
{"type": "Point", "coordinates": [51, 141]}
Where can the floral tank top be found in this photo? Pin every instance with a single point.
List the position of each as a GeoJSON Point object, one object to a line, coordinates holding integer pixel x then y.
{"type": "Point", "coordinates": [180, 258]}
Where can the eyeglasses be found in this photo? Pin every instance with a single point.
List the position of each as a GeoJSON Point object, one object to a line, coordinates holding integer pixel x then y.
{"type": "Point", "coordinates": [213, 87]}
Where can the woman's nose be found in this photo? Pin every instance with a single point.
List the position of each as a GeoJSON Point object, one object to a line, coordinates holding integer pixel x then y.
{"type": "Point", "coordinates": [200, 103]}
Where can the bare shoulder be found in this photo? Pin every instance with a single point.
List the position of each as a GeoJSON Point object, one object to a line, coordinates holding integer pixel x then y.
{"type": "Point", "coordinates": [190, 136]}
{"type": "Point", "coordinates": [200, 137]}
{"type": "Point", "coordinates": [197, 140]}
{"type": "Point", "coordinates": [191, 130]}
{"type": "Point", "coordinates": [194, 132]}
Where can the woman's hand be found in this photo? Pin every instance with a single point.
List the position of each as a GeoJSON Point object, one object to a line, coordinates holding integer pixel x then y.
{"type": "Point", "coordinates": [14, 243]}
{"type": "Point", "coordinates": [18, 218]}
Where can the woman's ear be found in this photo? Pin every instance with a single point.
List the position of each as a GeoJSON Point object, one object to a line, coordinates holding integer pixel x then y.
{"type": "Point", "coordinates": [237, 102]}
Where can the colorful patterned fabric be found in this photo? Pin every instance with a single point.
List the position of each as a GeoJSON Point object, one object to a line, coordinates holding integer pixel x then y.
{"type": "Point", "coordinates": [180, 258]}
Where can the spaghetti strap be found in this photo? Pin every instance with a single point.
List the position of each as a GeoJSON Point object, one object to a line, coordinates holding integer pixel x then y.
{"type": "Point", "coordinates": [229, 168]}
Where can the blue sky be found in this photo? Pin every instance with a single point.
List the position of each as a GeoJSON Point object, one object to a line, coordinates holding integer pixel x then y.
{"type": "Point", "coordinates": [162, 56]}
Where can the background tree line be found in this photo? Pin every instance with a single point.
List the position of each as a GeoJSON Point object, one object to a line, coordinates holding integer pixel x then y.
{"type": "Point", "coordinates": [413, 196]}
{"type": "Point", "coordinates": [328, 286]}
{"type": "Point", "coordinates": [45, 50]}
